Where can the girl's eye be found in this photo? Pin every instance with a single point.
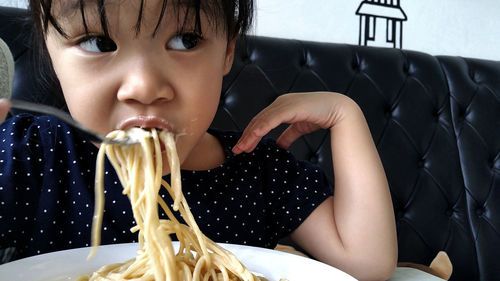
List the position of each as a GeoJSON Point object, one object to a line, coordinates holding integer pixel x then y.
{"type": "Point", "coordinates": [185, 41]}
{"type": "Point", "coordinates": [98, 44]}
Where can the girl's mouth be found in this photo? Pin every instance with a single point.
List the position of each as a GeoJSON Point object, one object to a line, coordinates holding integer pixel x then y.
{"type": "Point", "coordinates": [145, 122]}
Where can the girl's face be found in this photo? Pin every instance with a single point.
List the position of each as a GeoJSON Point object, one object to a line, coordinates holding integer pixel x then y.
{"type": "Point", "coordinates": [170, 81]}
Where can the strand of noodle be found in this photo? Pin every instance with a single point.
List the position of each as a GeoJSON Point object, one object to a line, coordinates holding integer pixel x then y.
{"type": "Point", "coordinates": [185, 272]}
{"type": "Point", "coordinates": [121, 160]}
{"type": "Point", "coordinates": [116, 156]}
{"type": "Point", "coordinates": [138, 195]}
{"type": "Point", "coordinates": [214, 274]}
{"type": "Point", "coordinates": [220, 264]}
{"type": "Point", "coordinates": [175, 177]}
{"type": "Point", "coordinates": [136, 265]}
{"type": "Point", "coordinates": [197, 269]}
{"type": "Point", "coordinates": [169, 188]}
{"type": "Point", "coordinates": [167, 211]}
{"type": "Point", "coordinates": [211, 273]}
{"type": "Point", "coordinates": [135, 196]}
{"type": "Point", "coordinates": [99, 204]}
{"type": "Point", "coordinates": [158, 159]}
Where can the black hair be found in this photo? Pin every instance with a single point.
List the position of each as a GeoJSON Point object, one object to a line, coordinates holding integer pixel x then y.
{"type": "Point", "coordinates": [233, 16]}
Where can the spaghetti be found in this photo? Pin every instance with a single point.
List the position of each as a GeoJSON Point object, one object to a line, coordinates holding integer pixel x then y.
{"type": "Point", "coordinates": [139, 168]}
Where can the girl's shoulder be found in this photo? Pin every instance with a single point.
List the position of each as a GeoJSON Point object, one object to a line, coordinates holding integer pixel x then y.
{"type": "Point", "coordinates": [41, 130]}
{"type": "Point", "coordinates": [24, 127]}
{"type": "Point", "coordinates": [25, 121]}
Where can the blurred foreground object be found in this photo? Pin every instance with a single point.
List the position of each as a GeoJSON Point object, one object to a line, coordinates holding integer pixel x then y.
{"type": "Point", "coordinates": [440, 266]}
{"type": "Point", "coordinates": [6, 70]}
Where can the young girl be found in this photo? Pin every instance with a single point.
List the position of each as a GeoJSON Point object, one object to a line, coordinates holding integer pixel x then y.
{"type": "Point", "coordinates": [160, 64]}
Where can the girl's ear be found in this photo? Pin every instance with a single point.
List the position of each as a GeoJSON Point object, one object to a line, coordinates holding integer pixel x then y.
{"type": "Point", "coordinates": [228, 63]}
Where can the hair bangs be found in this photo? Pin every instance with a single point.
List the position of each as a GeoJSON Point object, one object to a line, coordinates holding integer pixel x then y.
{"type": "Point", "coordinates": [232, 16]}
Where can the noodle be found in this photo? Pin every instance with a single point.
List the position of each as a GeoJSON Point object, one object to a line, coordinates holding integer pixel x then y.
{"type": "Point", "coordinates": [139, 168]}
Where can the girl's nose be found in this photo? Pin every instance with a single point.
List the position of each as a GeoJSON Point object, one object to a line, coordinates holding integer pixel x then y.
{"type": "Point", "coordinates": [146, 83]}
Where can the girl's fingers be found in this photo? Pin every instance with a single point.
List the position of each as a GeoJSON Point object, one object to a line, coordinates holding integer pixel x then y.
{"type": "Point", "coordinates": [250, 137]}
{"type": "Point", "coordinates": [293, 132]}
{"type": "Point", "coordinates": [288, 137]}
{"type": "Point", "coordinates": [260, 125]}
{"type": "Point", "coordinates": [268, 119]}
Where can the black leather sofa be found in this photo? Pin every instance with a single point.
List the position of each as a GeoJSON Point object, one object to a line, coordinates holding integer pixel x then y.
{"type": "Point", "coordinates": [435, 121]}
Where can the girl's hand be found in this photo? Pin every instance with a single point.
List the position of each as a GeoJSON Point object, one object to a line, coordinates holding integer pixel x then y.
{"type": "Point", "coordinates": [4, 109]}
{"type": "Point", "coordinates": [305, 112]}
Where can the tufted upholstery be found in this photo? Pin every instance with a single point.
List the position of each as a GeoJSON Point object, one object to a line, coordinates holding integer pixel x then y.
{"type": "Point", "coordinates": [435, 121]}
{"type": "Point", "coordinates": [474, 87]}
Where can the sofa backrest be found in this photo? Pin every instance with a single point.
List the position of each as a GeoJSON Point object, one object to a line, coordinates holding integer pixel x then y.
{"type": "Point", "coordinates": [435, 121]}
{"type": "Point", "coordinates": [474, 87]}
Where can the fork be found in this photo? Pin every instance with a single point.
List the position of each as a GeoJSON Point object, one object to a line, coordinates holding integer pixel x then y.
{"type": "Point", "coordinates": [45, 109]}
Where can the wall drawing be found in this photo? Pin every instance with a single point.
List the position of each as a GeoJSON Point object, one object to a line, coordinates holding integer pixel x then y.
{"type": "Point", "coordinates": [381, 23]}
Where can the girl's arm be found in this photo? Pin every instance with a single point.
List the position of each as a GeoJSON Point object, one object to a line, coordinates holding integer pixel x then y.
{"type": "Point", "coordinates": [355, 230]}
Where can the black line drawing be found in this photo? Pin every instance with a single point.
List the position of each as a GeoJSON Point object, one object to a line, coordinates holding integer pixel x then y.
{"type": "Point", "coordinates": [372, 16]}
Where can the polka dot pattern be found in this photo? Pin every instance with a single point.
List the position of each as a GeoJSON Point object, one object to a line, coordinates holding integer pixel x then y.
{"type": "Point", "coordinates": [47, 190]}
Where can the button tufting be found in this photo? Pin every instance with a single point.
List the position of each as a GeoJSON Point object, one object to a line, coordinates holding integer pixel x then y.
{"type": "Point", "coordinates": [303, 62]}
{"type": "Point", "coordinates": [406, 68]}
{"type": "Point", "coordinates": [480, 211]}
{"type": "Point", "coordinates": [400, 214]}
{"type": "Point", "coordinates": [473, 76]}
{"type": "Point", "coordinates": [246, 58]}
{"type": "Point", "coordinates": [421, 163]}
{"type": "Point", "coordinates": [388, 112]}
{"type": "Point", "coordinates": [436, 115]}
{"type": "Point", "coordinates": [449, 212]}
{"type": "Point", "coordinates": [461, 115]}
{"type": "Point", "coordinates": [355, 65]}
{"type": "Point", "coordinates": [313, 159]}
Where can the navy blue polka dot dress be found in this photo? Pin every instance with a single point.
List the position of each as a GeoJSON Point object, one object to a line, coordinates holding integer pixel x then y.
{"type": "Point", "coordinates": [47, 191]}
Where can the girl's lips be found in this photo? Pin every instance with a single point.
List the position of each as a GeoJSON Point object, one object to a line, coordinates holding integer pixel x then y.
{"type": "Point", "coordinates": [145, 121]}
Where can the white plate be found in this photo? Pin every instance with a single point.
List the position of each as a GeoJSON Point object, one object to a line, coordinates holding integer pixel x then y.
{"type": "Point", "coordinates": [70, 264]}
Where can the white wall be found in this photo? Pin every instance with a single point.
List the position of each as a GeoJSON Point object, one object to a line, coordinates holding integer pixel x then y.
{"type": "Point", "coordinates": [14, 3]}
{"type": "Point", "coordinates": [469, 28]}
{"type": "Point", "coordinates": [440, 27]}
